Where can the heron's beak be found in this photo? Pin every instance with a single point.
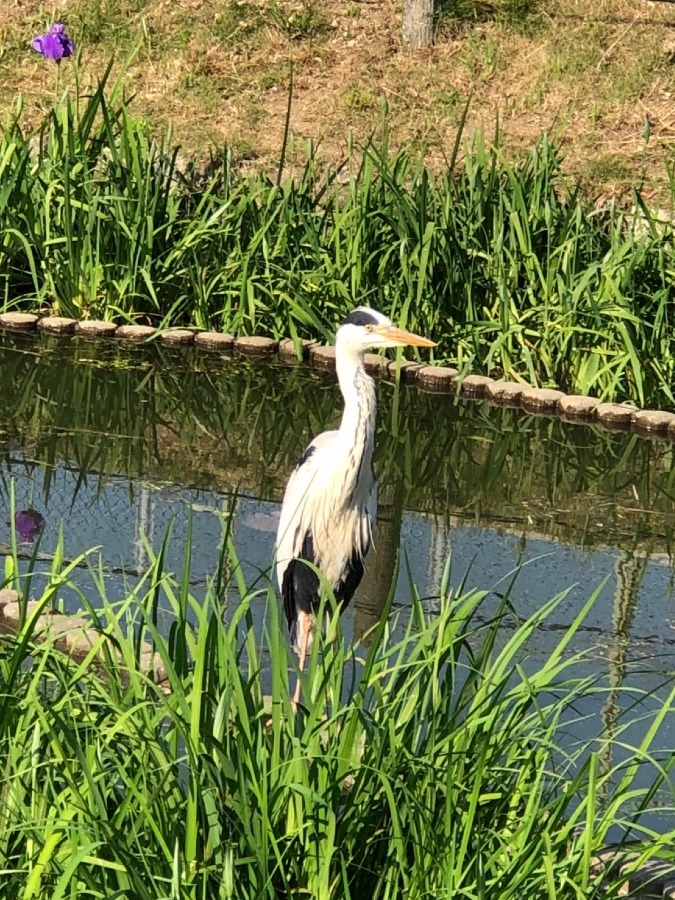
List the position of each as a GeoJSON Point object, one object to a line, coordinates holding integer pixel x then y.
{"type": "Point", "coordinates": [404, 338]}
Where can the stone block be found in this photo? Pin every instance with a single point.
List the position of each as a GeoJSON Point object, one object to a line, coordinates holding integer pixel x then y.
{"type": "Point", "coordinates": [58, 325]}
{"type": "Point", "coordinates": [177, 337]}
{"type": "Point", "coordinates": [135, 332]}
{"type": "Point", "coordinates": [504, 393]}
{"type": "Point", "coordinates": [541, 400]}
{"type": "Point", "coordinates": [256, 346]}
{"type": "Point", "coordinates": [18, 321]}
{"type": "Point", "coordinates": [575, 406]}
{"type": "Point", "coordinates": [95, 328]}
{"type": "Point", "coordinates": [437, 378]}
{"type": "Point", "coordinates": [214, 340]}
{"type": "Point", "coordinates": [474, 385]}
{"type": "Point", "coordinates": [322, 357]}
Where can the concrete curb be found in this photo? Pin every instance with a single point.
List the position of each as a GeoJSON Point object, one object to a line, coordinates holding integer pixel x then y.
{"type": "Point", "coordinates": [647, 423]}
{"type": "Point", "coordinates": [256, 346]}
{"type": "Point", "coordinates": [288, 352]}
{"type": "Point", "coordinates": [57, 325]}
{"type": "Point", "coordinates": [135, 332]}
{"type": "Point", "coordinates": [95, 329]}
{"type": "Point", "coordinates": [16, 321]}
{"type": "Point", "coordinates": [177, 337]}
{"type": "Point", "coordinates": [214, 340]}
{"type": "Point", "coordinates": [541, 400]}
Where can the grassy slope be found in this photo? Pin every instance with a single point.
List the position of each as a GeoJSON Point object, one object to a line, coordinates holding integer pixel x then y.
{"type": "Point", "coordinates": [598, 73]}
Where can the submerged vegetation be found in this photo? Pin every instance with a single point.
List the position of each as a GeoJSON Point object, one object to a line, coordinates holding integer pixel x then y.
{"type": "Point", "coordinates": [503, 263]}
{"type": "Point", "coordinates": [434, 761]}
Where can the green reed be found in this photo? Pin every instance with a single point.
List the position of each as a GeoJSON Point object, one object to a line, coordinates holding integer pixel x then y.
{"type": "Point", "coordinates": [505, 264]}
{"type": "Point", "coordinates": [426, 762]}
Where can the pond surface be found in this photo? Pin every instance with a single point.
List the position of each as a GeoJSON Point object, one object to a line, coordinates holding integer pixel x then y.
{"type": "Point", "coordinates": [112, 444]}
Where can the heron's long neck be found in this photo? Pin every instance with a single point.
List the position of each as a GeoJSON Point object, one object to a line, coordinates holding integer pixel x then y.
{"type": "Point", "coordinates": [357, 429]}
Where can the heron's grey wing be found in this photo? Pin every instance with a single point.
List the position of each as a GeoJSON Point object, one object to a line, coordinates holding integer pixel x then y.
{"type": "Point", "coordinates": [292, 529]}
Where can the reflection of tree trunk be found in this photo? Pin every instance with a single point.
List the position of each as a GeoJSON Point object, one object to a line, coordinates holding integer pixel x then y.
{"type": "Point", "coordinates": [381, 564]}
{"type": "Point", "coordinates": [145, 527]}
{"type": "Point", "coordinates": [630, 570]}
{"type": "Point", "coordinates": [439, 552]}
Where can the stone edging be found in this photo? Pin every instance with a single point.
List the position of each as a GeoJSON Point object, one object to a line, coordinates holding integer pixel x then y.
{"type": "Point", "coordinates": [75, 636]}
{"type": "Point", "coordinates": [652, 879]}
{"type": "Point", "coordinates": [439, 379]}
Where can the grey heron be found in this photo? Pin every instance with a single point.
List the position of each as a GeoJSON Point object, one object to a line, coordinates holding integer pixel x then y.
{"type": "Point", "coordinates": [330, 500]}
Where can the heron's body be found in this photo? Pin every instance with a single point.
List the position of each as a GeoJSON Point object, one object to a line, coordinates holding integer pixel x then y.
{"type": "Point", "coordinates": [329, 504]}
{"type": "Point", "coordinates": [334, 534]}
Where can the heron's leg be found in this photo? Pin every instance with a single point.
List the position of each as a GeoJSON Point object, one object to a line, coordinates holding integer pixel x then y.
{"type": "Point", "coordinates": [305, 628]}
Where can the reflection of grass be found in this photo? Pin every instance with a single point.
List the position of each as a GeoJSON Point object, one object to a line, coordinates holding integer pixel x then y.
{"type": "Point", "coordinates": [435, 772]}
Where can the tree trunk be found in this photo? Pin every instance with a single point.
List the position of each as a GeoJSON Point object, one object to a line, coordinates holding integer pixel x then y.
{"type": "Point", "coordinates": [418, 23]}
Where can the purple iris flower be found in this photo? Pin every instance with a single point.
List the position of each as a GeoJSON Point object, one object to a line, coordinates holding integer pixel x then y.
{"type": "Point", "coordinates": [29, 523]}
{"type": "Point", "coordinates": [56, 44]}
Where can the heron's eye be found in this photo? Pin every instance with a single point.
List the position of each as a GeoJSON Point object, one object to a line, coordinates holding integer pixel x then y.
{"type": "Point", "coordinates": [368, 328]}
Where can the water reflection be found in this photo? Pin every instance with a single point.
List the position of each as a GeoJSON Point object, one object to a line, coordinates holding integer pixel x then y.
{"type": "Point", "coordinates": [630, 570]}
{"type": "Point", "coordinates": [224, 422]}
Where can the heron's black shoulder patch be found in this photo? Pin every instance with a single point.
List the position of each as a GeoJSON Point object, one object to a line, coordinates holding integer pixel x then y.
{"type": "Point", "coordinates": [306, 455]}
{"type": "Point", "coordinates": [360, 317]}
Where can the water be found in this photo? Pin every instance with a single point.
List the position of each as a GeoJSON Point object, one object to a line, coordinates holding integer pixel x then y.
{"type": "Point", "coordinates": [113, 444]}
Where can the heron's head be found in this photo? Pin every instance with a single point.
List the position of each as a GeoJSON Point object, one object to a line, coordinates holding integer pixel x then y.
{"type": "Point", "coordinates": [365, 329]}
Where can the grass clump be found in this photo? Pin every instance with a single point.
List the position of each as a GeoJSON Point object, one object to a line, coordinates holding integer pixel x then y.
{"type": "Point", "coordinates": [297, 20]}
{"type": "Point", "coordinates": [427, 765]}
{"type": "Point", "coordinates": [516, 13]}
{"type": "Point", "coordinates": [108, 22]}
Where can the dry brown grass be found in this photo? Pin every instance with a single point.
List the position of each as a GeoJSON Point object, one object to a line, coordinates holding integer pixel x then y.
{"type": "Point", "coordinates": [599, 74]}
